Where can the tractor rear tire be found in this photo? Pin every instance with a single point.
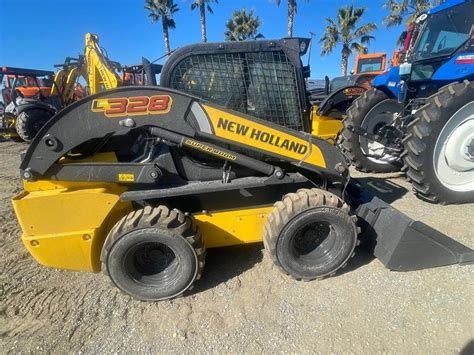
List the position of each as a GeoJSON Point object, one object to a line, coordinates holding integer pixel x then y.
{"type": "Point", "coordinates": [351, 143]}
{"type": "Point", "coordinates": [29, 122]}
{"type": "Point", "coordinates": [310, 234]}
{"type": "Point", "coordinates": [154, 254]}
{"type": "Point", "coordinates": [438, 176]}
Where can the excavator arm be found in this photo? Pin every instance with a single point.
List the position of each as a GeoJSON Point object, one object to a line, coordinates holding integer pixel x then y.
{"type": "Point", "coordinates": [66, 77]}
{"type": "Point", "coordinates": [94, 67]}
{"type": "Point", "coordinates": [100, 71]}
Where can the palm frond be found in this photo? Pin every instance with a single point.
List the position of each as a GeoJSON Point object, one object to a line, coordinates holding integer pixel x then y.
{"type": "Point", "coordinates": [366, 39]}
{"type": "Point", "coordinates": [360, 48]}
{"type": "Point", "coordinates": [393, 20]}
{"type": "Point", "coordinates": [365, 29]}
{"type": "Point", "coordinates": [242, 25]}
{"type": "Point", "coordinates": [407, 10]}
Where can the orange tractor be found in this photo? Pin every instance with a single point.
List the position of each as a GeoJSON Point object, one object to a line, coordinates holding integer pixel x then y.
{"type": "Point", "coordinates": [28, 82]}
{"type": "Point", "coordinates": [21, 85]}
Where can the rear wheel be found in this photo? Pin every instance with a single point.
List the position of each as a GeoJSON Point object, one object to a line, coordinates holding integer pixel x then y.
{"type": "Point", "coordinates": [153, 254]}
{"type": "Point", "coordinates": [29, 122]}
{"type": "Point", "coordinates": [439, 146]}
{"type": "Point", "coordinates": [371, 111]}
{"type": "Point", "coordinates": [310, 234]}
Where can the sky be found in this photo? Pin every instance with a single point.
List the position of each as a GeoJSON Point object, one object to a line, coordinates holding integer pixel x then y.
{"type": "Point", "coordinates": [47, 31]}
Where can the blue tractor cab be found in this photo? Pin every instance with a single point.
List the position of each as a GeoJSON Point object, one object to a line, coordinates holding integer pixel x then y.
{"type": "Point", "coordinates": [442, 54]}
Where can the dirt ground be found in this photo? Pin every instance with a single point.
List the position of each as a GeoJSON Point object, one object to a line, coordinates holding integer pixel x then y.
{"type": "Point", "coordinates": [242, 304]}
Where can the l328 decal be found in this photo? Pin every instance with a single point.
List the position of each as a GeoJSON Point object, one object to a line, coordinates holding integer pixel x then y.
{"type": "Point", "coordinates": [133, 106]}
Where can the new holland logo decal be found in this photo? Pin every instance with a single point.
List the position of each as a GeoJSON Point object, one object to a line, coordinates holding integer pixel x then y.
{"type": "Point", "coordinates": [258, 135]}
{"type": "Point", "coordinates": [133, 106]}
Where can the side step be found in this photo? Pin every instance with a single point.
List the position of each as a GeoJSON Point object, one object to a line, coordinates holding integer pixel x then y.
{"type": "Point", "coordinates": [399, 242]}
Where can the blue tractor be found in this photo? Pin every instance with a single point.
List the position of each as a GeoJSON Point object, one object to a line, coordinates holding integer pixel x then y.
{"type": "Point", "coordinates": [419, 117]}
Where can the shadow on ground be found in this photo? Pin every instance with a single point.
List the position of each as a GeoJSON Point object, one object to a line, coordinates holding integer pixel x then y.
{"type": "Point", "coordinates": [223, 264]}
{"type": "Point", "coordinates": [383, 188]}
{"type": "Point", "coordinates": [468, 348]}
{"type": "Point", "coordinates": [362, 257]}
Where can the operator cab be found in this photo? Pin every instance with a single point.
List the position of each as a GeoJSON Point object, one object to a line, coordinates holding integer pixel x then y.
{"type": "Point", "coordinates": [264, 78]}
{"type": "Point", "coordinates": [444, 34]}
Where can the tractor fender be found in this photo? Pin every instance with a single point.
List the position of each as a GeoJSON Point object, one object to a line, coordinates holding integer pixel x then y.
{"type": "Point", "coordinates": [343, 95]}
{"type": "Point", "coordinates": [388, 82]}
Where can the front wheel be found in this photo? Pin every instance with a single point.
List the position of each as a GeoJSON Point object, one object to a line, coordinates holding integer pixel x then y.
{"type": "Point", "coordinates": [310, 234]}
{"type": "Point", "coordinates": [439, 146]}
{"type": "Point", "coordinates": [372, 111]}
{"type": "Point", "coordinates": [154, 254]}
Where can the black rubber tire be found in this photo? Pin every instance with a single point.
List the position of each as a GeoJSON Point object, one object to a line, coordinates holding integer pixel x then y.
{"type": "Point", "coordinates": [420, 141]}
{"type": "Point", "coordinates": [299, 210]}
{"type": "Point", "coordinates": [29, 122]}
{"type": "Point", "coordinates": [349, 142]}
{"type": "Point", "coordinates": [175, 235]}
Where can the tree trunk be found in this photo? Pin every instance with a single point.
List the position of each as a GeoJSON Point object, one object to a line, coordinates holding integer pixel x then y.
{"type": "Point", "coordinates": [291, 16]}
{"type": "Point", "coordinates": [166, 36]}
{"type": "Point", "coordinates": [345, 58]}
{"type": "Point", "coordinates": [202, 9]}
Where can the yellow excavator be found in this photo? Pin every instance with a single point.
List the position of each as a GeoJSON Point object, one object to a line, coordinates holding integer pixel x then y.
{"type": "Point", "coordinates": [28, 115]}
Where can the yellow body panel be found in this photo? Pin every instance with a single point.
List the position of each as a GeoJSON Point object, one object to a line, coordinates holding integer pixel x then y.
{"type": "Point", "coordinates": [325, 127]}
{"type": "Point", "coordinates": [65, 224]}
{"type": "Point", "coordinates": [224, 228]}
{"type": "Point", "coordinates": [239, 129]}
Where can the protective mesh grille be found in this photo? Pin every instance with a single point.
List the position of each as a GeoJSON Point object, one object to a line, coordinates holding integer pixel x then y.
{"type": "Point", "coordinates": [261, 84]}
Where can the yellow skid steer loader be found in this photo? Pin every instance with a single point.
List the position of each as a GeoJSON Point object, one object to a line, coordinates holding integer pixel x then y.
{"type": "Point", "coordinates": [139, 181]}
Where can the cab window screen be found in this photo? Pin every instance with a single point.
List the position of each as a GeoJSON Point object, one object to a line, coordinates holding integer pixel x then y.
{"type": "Point", "coordinates": [261, 84]}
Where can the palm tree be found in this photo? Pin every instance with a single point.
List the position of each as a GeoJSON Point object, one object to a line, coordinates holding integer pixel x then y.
{"type": "Point", "coordinates": [242, 26]}
{"type": "Point", "coordinates": [408, 10]}
{"type": "Point", "coordinates": [291, 14]}
{"type": "Point", "coordinates": [343, 31]}
{"type": "Point", "coordinates": [163, 10]}
{"type": "Point", "coordinates": [203, 5]}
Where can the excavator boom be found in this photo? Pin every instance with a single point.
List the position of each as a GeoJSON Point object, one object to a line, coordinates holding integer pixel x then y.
{"type": "Point", "coordinates": [100, 70]}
